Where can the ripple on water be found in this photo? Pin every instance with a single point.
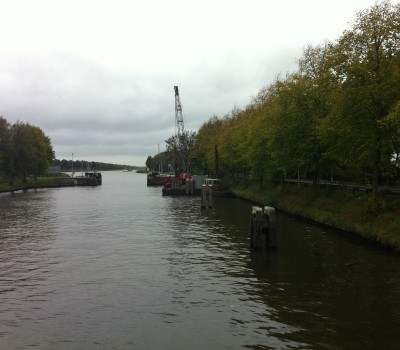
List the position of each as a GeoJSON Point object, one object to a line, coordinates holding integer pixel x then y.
{"type": "Point", "coordinates": [120, 266]}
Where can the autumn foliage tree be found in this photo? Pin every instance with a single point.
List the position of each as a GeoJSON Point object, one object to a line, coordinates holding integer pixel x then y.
{"type": "Point", "coordinates": [6, 148]}
{"type": "Point", "coordinates": [367, 66]}
{"type": "Point", "coordinates": [337, 115]}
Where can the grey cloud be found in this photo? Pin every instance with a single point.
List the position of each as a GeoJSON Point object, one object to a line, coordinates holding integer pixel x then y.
{"type": "Point", "coordinates": [94, 112]}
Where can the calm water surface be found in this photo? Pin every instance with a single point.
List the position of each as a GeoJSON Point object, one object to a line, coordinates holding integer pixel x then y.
{"type": "Point", "coordinates": [121, 267]}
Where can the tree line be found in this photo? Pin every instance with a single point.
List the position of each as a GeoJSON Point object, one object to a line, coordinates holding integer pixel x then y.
{"type": "Point", "coordinates": [79, 165]}
{"type": "Point", "coordinates": [336, 117]}
{"type": "Point", "coordinates": [24, 150]}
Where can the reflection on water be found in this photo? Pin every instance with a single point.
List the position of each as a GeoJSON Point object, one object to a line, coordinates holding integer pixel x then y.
{"type": "Point", "coordinates": [119, 266]}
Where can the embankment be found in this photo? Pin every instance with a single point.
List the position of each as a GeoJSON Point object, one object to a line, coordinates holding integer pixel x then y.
{"type": "Point", "coordinates": [31, 184]}
{"type": "Point", "coordinates": [355, 212]}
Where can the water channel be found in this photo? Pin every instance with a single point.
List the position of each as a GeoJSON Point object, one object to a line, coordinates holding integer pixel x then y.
{"type": "Point", "coordinates": [121, 267]}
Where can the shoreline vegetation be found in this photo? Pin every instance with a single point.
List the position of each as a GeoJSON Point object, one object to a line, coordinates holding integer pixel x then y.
{"type": "Point", "coordinates": [357, 213]}
{"type": "Point", "coordinates": [30, 184]}
{"type": "Point", "coordinates": [335, 118]}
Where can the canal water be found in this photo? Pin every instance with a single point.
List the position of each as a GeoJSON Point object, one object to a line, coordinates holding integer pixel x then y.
{"type": "Point", "coordinates": [121, 267]}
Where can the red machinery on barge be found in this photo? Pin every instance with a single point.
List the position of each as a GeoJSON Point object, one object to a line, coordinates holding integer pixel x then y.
{"type": "Point", "coordinates": [183, 184]}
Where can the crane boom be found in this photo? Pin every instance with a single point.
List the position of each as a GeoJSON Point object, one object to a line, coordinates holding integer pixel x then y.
{"type": "Point", "coordinates": [179, 123]}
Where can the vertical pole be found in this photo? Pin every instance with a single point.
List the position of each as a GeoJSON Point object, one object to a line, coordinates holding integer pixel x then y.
{"type": "Point", "coordinates": [206, 196]}
{"type": "Point", "coordinates": [262, 228]}
{"type": "Point", "coordinates": [203, 196]}
{"type": "Point", "coordinates": [256, 227]}
{"type": "Point", "coordinates": [216, 161]}
{"type": "Point", "coordinates": [271, 238]}
{"type": "Point", "coordinates": [298, 177]}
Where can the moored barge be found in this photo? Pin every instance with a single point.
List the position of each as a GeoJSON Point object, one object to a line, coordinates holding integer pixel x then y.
{"type": "Point", "coordinates": [90, 179]}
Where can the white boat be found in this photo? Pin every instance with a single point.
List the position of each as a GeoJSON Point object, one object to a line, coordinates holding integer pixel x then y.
{"type": "Point", "coordinates": [218, 190]}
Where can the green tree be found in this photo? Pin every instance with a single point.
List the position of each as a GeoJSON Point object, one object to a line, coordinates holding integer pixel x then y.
{"type": "Point", "coordinates": [33, 150]}
{"type": "Point", "coordinates": [367, 66]}
{"type": "Point", "coordinates": [299, 105]}
{"type": "Point", "coordinates": [206, 141]}
{"type": "Point", "coordinates": [6, 148]}
{"type": "Point", "coordinates": [182, 148]}
{"type": "Point", "coordinates": [65, 165]}
{"type": "Point", "coordinates": [232, 143]}
{"type": "Point", "coordinates": [43, 151]}
{"type": "Point", "coordinates": [149, 162]}
{"type": "Point", "coordinates": [258, 145]}
{"type": "Point", "coordinates": [315, 90]}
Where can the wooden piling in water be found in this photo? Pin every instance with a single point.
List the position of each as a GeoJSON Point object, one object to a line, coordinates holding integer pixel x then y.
{"type": "Point", "coordinates": [262, 228]}
{"type": "Point", "coordinates": [189, 186]}
{"type": "Point", "coordinates": [206, 196]}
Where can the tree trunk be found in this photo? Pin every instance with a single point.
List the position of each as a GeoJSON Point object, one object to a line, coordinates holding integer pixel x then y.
{"type": "Point", "coordinates": [316, 178]}
{"type": "Point", "coordinates": [216, 156]}
{"type": "Point", "coordinates": [298, 178]}
{"type": "Point", "coordinates": [376, 170]}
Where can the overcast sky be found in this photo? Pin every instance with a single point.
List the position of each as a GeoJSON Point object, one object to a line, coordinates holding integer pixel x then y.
{"type": "Point", "coordinates": [97, 76]}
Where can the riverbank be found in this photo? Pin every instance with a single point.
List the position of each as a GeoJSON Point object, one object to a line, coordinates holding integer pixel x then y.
{"type": "Point", "coordinates": [92, 179]}
{"type": "Point", "coordinates": [352, 212]}
{"type": "Point", "coordinates": [40, 182]}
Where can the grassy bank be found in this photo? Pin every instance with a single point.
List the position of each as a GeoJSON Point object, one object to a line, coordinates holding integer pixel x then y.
{"type": "Point", "coordinates": [32, 183]}
{"type": "Point", "coordinates": [378, 220]}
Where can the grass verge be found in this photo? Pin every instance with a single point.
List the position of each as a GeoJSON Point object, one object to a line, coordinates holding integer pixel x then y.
{"type": "Point", "coordinates": [358, 213]}
{"type": "Point", "coordinates": [32, 183]}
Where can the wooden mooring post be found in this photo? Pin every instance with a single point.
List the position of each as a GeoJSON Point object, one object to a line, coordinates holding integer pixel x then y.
{"type": "Point", "coordinates": [263, 228]}
{"type": "Point", "coordinates": [206, 196]}
{"type": "Point", "coordinates": [189, 186]}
